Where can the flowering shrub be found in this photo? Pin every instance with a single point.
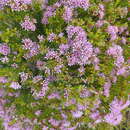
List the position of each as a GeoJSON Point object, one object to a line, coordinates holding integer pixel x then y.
{"type": "Point", "coordinates": [64, 64]}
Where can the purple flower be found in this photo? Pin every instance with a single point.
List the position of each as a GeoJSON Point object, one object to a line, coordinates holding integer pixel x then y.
{"type": "Point", "coordinates": [63, 48]}
{"type": "Point", "coordinates": [107, 87]}
{"type": "Point", "coordinates": [51, 54]}
{"type": "Point", "coordinates": [122, 71]}
{"type": "Point", "coordinates": [54, 122]}
{"type": "Point", "coordinates": [40, 38]}
{"type": "Point", "coordinates": [15, 85]}
{"type": "Point", "coordinates": [61, 34]}
{"type": "Point", "coordinates": [115, 51]}
{"type": "Point", "coordinates": [54, 95]}
{"type": "Point", "coordinates": [3, 3]}
{"type": "Point", "coordinates": [50, 11]}
{"type": "Point", "coordinates": [51, 37]}
{"type": "Point", "coordinates": [28, 44]}
{"type": "Point", "coordinates": [81, 50]}
{"type": "Point", "coordinates": [24, 76]}
{"type": "Point", "coordinates": [67, 16]}
{"type": "Point", "coordinates": [81, 107]}
{"type": "Point", "coordinates": [37, 78]}
{"type": "Point", "coordinates": [123, 40]}
{"type": "Point", "coordinates": [118, 105]}
{"type": "Point", "coordinates": [95, 115]}
{"type": "Point", "coordinates": [128, 19]}
{"type": "Point", "coordinates": [19, 5]}
{"type": "Point", "coordinates": [40, 65]}
{"type": "Point", "coordinates": [44, 89]}
{"type": "Point", "coordinates": [100, 23]}
{"type": "Point", "coordinates": [4, 49]}
{"type": "Point", "coordinates": [101, 11]}
{"type": "Point", "coordinates": [28, 24]}
{"type": "Point", "coordinates": [44, 128]}
{"type": "Point", "coordinates": [27, 1]}
{"type": "Point", "coordinates": [119, 61]}
{"type": "Point", "coordinates": [77, 3]}
{"type": "Point", "coordinates": [77, 114]}
{"type": "Point", "coordinates": [113, 30]}
{"type": "Point", "coordinates": [85, 93]}
{"type": "Point", "coordinates": [122, 29]}
{"type": "Point", "coordinates": [58, 68]}
{"type": "Point", "coordinates": [113, 118]}
{"type": "Point", "coordinates": [38, 112]}
{"type": "Point", "coordinates": [14, 65]}
{"type": "Point", "coordinates": [3, 80]}
{"type": "Point", "coordinates": [81, 69]}
{"type": "Point", "coordinates": [31, 46]}
{"type": "Point", "coordinates": [65, 123]}
{"type": "Point", "coordinates": [4, 59]}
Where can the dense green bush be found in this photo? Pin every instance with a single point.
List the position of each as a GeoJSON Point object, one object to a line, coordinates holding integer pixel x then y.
{"type": "Point", "coordinates": [64, 64]}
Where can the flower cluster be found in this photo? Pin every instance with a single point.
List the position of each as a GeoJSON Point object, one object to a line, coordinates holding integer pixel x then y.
{"type": "Point", "coordinates": [50, 11]}
{"type": "Point", "coordinates": [28, 24]}
{"type": "Point", "coordinates": [51, 37]}
{"type": "Point", "coordinates": [4, 49]}
{"type": "Point", "coordinates": [19, 5]}
{"type": "Point", "coordinates": [69, 6]}
{"type": "Point", "coordinates": [115, 116]}
{"type": "Point", "coordinates": [117, 52]}
{"type": "Point", "coordinates": [113, 30]}
{"type": "Point", "coordinates": [67, 16]}
{"type": "Point", "coordinates": [31, 46]}
{"type": "Point", "coordinates": [16, 5]}
{"type": "Point", "coordinates": [76, 3]}
{"type": "Point", "coordinates": [3, 3]}
{"type": "Point", "coordinates": [82, 51]}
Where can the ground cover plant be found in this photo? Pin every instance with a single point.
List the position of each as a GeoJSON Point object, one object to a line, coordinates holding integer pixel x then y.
{"type": "Point", "coordinates": [64, 65]}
